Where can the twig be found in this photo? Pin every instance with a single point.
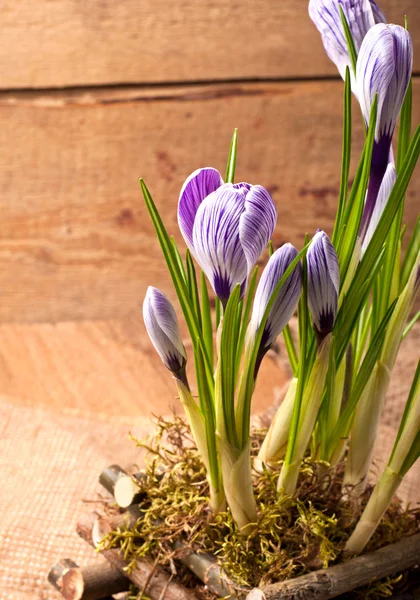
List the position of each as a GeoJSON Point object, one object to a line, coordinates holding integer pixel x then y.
{"type": "Point", "coordinates": [346, 576]}
{"type": "Point", "coordinates": [140, 574]}
{"type": "Point", "coordinates": [94, 582]}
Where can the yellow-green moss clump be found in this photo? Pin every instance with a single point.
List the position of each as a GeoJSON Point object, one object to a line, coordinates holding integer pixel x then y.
{"type": "Point", "coordinates": [289, 540]}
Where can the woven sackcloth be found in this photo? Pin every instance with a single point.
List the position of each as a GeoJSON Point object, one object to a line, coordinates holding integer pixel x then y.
{"type": "Point", "coordinates": [49, 466]}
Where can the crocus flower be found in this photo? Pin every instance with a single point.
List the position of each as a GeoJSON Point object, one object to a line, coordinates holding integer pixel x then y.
{"type": "Point", "coordinates": [226, 227]}
{"type": "Point", "coordinates": [285, 304]}
{"type": "Point", "coordinates": [361, 15]}
{"type": "Point", "coordinates": [323, 283]}
{"type": "Point", "coordinates": [163, 329]}
{"type": "Point", "coordinates": [384, 68]}
{"type": "Point", "coordinates": [383, 195]}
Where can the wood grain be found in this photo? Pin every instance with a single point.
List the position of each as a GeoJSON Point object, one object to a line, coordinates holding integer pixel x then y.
{"type": "Point", "coordinates": [80, 42]}
{"type": "Point", "coordinates": [101, 369]}
{"type": "Point", "coordinates": [76, 241]}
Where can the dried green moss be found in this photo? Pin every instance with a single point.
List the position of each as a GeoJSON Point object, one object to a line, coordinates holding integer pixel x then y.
{"type": "Point", "coordinates": [290, 539]}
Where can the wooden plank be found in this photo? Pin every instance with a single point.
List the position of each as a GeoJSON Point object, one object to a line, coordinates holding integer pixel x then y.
{"type": "Point", "coordinates": [76, 242]}
{"type": "Point", "coordinates": [75, 42]}
{"type": "Point", "coordinates": [102, 369]}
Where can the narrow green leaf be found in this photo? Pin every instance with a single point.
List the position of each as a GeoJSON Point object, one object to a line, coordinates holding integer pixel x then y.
{"type": "Point", "coordinates": [178, 258]}
{"type": "Point", "coordinates": [206, 318]}
{"type": "Point", "coordinates": [291, 350]}
{"type": "Point", "coordinates": [411, 396]}
{"type": "Point", "coordinates": [219, 309]}
{"type": "Point", "coordinates": [352, 305]}
{"type": "Point", "coordinates": [411, 324]}
{"type": "Point", "coordinates": [245, 319]}
{"type": "Point", "coordinates": [349, 39]}
{"type": "Point", "coordinates": [231, 165]}
{"type": "Point", "coordinates": [207, 408]}
{"type": "Point", "coordinates": [404, 132]}
{"type": "Point", "coordinates": [303, 317]}
{"type": "Point", "coordinates": [345, 160]}
{"type": "Point", "coordinates": [193, 288]}
{"type": "Point", "coordinates": [355, 216]}
{"type": "Point", "coordinates": [411, 254]}
{"type": "Point", "coordinates": [325, 415]}
{"type": "Point", "coordinates": [247, 380]}
{"type": "Point", "coordinates": [227, 364]}
{"type": "Point", "coordinates": [412, 456]}
{"type": "Point", "coordinates": [373, 257]}
{"type": "Point", "coordinates": [177, 277]}
{"type": "Point", "coordinates": [343, 426]}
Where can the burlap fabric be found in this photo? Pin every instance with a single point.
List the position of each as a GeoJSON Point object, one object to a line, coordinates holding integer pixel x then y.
{"type": "Point", "coordinates": [49, 467]}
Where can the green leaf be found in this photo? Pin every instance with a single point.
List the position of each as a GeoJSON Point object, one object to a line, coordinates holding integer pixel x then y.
{"type": "Point", "coordinates": [303, 317]}
{"type": "Point", "coordinates": [412, 456]}
{"type": "Point", "coordinates": [291, 350]}
{"type": "Point", "coordinates": [411, 324]}
{"type": "Point", "coordinates": [247, 380]}
{"type": "Point", "coordinates": [206, 319]}
{"type": "Point", "coordinates": [226, 360]}
{"type": "Point", "coordinates": [193, 288]}
{"type": "Point", "coordinates": [219, 310]}
{"type": "Point", "coordinates": [354, 216]}
{"type": "Point", "coordinates": [231, 165]}
{"type": "Point", "coordinates": [207, 408]}
{"type": "Point", "coordinates": [176, 275]}
{"type": "Point", "coordinates": [343, 426]}
{"type": "Point", "coordinates": [245, 319]}
{"type": "Point", "coordinates": [349, 39]}
{"type": "Point", "coordinates": [411, 396]}
{"type": "Point", "coordinates": [178, 259]}
{"type": "Point", "coordinates": [345, 160]}
{"type": "Point", "coordinates": [411, 254]}
{"type": "Point", "coordinates": [353, 304]}
{"type": "Point", "coordinates": [404, 132]}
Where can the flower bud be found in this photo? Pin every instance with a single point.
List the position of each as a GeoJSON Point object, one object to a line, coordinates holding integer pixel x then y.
{"type": "Point", "coordinates": [286, 301]}
{"type": "Point", "coordinates": [163, 329]}
{"type": "Point", "coordinates": [323, 283]}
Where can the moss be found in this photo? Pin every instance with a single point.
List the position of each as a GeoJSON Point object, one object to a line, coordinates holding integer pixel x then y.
{"type": "Point", "coordinates": [290, 539]}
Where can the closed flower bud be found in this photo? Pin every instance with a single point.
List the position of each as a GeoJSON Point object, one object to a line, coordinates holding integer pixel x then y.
{"type": "Point", "coordinates": [323, 283]}
{"type": "Point", "coordinates": [162, 326]}
{"type": "Point", "coordinates": [286, 301]}
{"type": "Point", "coordinates": [361, 15]}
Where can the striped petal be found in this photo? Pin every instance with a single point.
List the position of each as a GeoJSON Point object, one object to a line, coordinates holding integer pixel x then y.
{"type": "Point", "coordinates": [285, 304]}
{"type": "Point", "coordinates": [323, 283]}
{"type": "Point", "coordinates": [197, 186]}
{"type": "Point", "coordinates": [382, 198]}
{"type": "Point", "coordinates": [217, 246]}
{"type": "Point", "coordinates": [361, 15]}
{"type": "Point", "coordinates": [257, 223]}
{"type": "Point", "coordinates": [384, 67]}
{"type": "Point", "coordinates": [163, 329]}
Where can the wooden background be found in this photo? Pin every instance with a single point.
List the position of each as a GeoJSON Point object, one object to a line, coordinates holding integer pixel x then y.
{"type": "Point", "coordinates": [95, 94]}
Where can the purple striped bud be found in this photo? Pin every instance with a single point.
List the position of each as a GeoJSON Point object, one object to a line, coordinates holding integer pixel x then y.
{"type": "Point", "coordinates": [361, 15]}
{"type": "Point", "coordinates": [384, 68]}
{"type": "Point", "coordinates": [226, 230]}
{"type": "Point", "coordinates": [286, 301]}
{"type": "Point", "coordinates": [383, 195]}
{"type": "Point", "coordinates": [163, 329]}
{"type": "Point", "coordinates": [323, 283]}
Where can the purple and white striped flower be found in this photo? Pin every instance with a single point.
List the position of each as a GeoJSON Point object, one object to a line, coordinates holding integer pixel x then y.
{"type": "Point", "coordinates": [384, 68]}
{"type": "Point", "coordinates": [383, 195]}
{"type": "Point", "coordinates": [286, 301]}
{"type": "Point", "coordinates": [323, 283]}
{"type": "Point", "coordinates": [226, 227]}
{"type": "Point", "coordinates": [162, 326]}
{"type": "Point", "coordinates": [361, 15]}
